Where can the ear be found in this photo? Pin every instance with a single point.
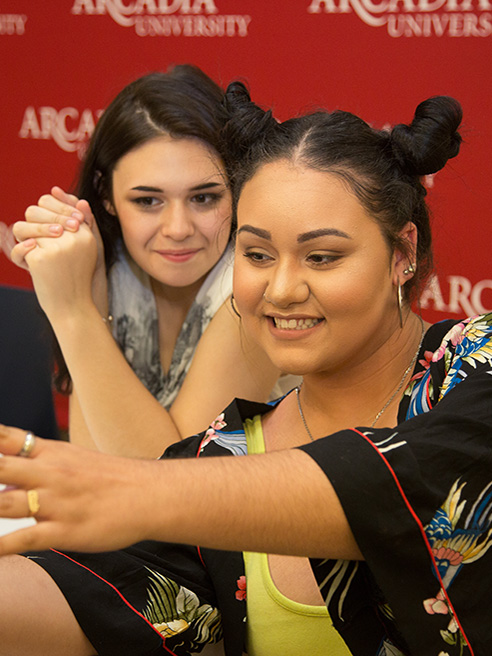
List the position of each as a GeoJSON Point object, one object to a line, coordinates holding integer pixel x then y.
{"type": "Point", "coordinates": [404, 261]}
{"type": "Point", "coordinates": [101, 190]}
{"type": "Point", "coordinates": [108, 206]}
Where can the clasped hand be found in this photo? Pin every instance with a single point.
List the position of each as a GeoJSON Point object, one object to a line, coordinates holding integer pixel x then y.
{"type": "Point", "coordinates": [60, 245]}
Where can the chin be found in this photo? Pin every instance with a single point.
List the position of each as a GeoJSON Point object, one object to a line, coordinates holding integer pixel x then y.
{"type": "Point", "coordinates": [288, 366]}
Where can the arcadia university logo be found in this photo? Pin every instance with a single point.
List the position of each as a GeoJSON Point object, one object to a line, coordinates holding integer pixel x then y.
{"type": "Point", "coordinates": [420, 18]}
{"type": "Point", "coordinates": [12, 24]}
{"type": "Point", "coordinates": [67, 127]}
{"type": "Point", "coordinates": [186, 18]}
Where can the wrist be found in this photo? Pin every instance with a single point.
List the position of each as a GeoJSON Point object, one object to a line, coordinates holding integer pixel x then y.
{"type": "Point", "coordinates": [80, 319]}
{"type": "Point", "coordinates": [100, 292]}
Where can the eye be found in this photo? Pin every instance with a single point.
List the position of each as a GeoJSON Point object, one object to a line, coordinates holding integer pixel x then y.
{"type": "Point", "coordinates": [145, 201]}
{"type": "Point", "coordinates": [320, 259]}
{"type": "Point", "coordinates": [257, 257]}
{"type": "Point", "coordinates": [206, 199]}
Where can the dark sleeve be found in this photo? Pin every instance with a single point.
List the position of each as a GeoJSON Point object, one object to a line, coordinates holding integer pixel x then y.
{"type": "Point", "coordinates": [418, 500]}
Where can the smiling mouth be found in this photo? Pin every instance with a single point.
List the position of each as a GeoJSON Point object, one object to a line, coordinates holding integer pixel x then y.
{"type": "Point", "coordinates": [189, 251]}
{"type": "Point", "coordinates": [178, 256]}
{"type": "Point", "coordinates": [295, 324]}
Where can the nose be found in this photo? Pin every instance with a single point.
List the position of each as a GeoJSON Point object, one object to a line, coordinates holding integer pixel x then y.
{"type": "Point", "coordinates": [176, 223]}
{"type": "Point", "coordinates": [286, 287]}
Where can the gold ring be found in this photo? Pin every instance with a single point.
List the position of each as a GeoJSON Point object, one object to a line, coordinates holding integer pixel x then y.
{"type": "Point", "coordinates": [28, 445]}
{"type": "Point", "coordinates": [33, 502]}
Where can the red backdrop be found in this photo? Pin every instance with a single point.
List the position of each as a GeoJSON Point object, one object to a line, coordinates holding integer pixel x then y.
{"type": "Point", "coordinates": [62, 61]}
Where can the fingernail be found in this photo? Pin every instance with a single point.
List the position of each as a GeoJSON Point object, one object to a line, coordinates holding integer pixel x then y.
{"type": "Point", "coordinates": [29, 243]}
{"type": "Point", "coordinates": [72, 224]}
{"type": "Point", "coordinates": [77, 215]}
{"type": "Point", "coordinates": [55, 229]}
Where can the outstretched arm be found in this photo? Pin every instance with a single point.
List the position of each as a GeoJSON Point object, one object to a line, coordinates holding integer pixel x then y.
{"type": "Point", "coordinates": [279, 503]}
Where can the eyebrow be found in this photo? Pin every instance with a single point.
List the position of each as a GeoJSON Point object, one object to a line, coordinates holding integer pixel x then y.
{"type": "Point", "coordinates": [200, 187]}
{"type": "Point", "coordinates": [303, 237]}
{"type": "Point", "coordinates": [322, 232]}
{"type": "Point", "coordinates": [259, 232]}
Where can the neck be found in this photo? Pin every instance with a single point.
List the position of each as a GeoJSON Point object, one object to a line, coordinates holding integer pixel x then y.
{"type": "Point", "coordinates": [355, 396]}
{"type": "Point", "coordinates": [175, 297]}
{"type": "Point", "coordinates": [173, 305]}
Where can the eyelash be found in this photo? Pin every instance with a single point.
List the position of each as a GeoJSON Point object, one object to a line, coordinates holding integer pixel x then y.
{"type": "Point", "coordinates": [259, 258]}
{"type": "Point", "coordinates": [256, 257]}
{"type": "Point", "coordinates": [211, 198]}
{"type": "Point", "coordinates": [324, 257]}
{"type": "Point", "coordinates": [143, 201]}
{"type": "Point", "coordinates": [207, 200]}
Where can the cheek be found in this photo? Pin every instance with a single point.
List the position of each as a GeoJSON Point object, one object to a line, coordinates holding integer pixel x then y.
{"type": "Point", "coordinates": [248, 287]}
{"type": "Point", "coordinates": [216, 229]}
{"type": "Point", "coordinates": [361, 288]}
{"type": "Point", "coordinates": [221, 234]}
{"type": "Point", "coordinates": [133, 236]}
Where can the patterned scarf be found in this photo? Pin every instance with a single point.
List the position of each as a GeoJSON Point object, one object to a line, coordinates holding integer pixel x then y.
{"type": "Point", "coordinates": [135, 324]}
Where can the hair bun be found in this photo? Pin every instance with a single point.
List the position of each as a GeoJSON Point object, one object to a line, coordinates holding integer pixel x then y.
{"type": "Point", "coordinates": [431, 139]}
{"type": "Point", "coordinates": [248, 123]}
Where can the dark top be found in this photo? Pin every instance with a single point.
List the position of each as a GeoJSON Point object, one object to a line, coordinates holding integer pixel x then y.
{"type": "Point", "coordinates": [418, 499]}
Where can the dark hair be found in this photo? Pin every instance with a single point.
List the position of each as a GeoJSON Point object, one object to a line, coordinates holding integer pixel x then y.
{"type": "Point", "coordinates": [382, 168]}
{"type": "Point", "coordinates": [183, 102]}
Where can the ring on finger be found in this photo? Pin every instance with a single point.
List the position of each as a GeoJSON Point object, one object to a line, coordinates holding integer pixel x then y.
{"type": "Point", "coordinates": [28, 445]}
{"type": "Point", "coordinates": [33, 502]}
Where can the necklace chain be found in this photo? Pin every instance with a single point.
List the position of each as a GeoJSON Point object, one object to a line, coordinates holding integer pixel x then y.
{"type": "Point", "coordinates": [298, 388]}
{"type": "Point", "coordinates": [388, 402]}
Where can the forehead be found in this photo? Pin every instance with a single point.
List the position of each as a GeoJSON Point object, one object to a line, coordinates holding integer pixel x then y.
{"type": "Point", "coordinates": [170, 153]}
{"type": "Point", "coordinates": [299, 195]}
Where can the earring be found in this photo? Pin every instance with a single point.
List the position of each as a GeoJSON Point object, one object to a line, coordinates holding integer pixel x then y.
{"type": "Point", "coordinates": [400, 303]}
{"type": "Point", "coordinates": [234, 309]}
{"type": "Point", "coordinates": [410, 269]}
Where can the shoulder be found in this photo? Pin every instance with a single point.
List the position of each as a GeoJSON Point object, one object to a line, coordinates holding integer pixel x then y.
{"type": "Point", "coordinates": [225, 435]}
{"type": "Point", "coordinates": [452, 352]}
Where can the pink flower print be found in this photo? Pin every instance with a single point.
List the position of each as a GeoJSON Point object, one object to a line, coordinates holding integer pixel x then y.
{"type": "Point", "coordinates": [218, 423]}
{"type": "Point", "coordinates": [210, 433]}
{"type": "Point", "coordinates": [453, 626]}
{"type": "Point", "coordinates": [426, 360]}
{"type": "Point", "coordinates": [456, 333]}
{"type": "Point", "coordinates": [437, 605]}
{"type": "Point", "coordinates": [241, 589]}
{"type": "Point", "coordinates": [455, 336]}
{"type": "Point", "coordinates": [424, 363]}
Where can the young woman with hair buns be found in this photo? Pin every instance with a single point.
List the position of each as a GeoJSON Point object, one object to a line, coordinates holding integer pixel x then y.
{"type": "Point", "coordinates": [359, 522]}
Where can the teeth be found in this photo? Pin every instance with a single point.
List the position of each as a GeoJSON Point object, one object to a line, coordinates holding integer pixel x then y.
{"type": "Point", "coordinates": [295, 324]}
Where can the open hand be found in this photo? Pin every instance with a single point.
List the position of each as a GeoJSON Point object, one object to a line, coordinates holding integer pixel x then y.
{"type": "Point", "coordinates": [88, 501]}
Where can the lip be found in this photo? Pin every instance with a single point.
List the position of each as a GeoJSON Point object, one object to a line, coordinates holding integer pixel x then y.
{"type": "Point", "coordinates": [178, 256]}
{"type": "Point", "coordinates": [292, 332]}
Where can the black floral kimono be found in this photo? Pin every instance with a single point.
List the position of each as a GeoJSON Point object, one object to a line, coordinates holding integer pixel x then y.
{"type": "Point", "coordinates": [418, 499]}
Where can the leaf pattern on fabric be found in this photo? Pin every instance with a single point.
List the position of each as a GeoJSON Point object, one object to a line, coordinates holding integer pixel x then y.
{"type": "Point", "coordinates": [342, 573]}
{"type": "Point", "coordinates": [388, 649]}
{"type": "Point", "coordinates": [455, 545]}
{"type": "Point", "coordinates": [173, 610]}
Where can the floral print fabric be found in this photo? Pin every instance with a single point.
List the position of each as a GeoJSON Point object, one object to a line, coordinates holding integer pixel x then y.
{"type": "Point", "coordinates": [417, 497]}
{"type": "Point", "coordinates": [424, 523]}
